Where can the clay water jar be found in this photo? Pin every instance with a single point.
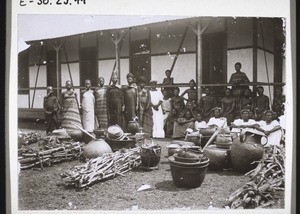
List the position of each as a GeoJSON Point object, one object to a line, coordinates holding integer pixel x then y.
{"type": "Point", "coordinates": [96, 148]}
{"type": "Point", "coordinates": [243, 154]}
{"type": "Point", "coordinates": [133, 127]}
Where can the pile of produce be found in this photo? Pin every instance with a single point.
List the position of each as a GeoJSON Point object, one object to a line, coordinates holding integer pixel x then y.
{"type": "Point", "coordinates": [25, 138]}
{"type": "Point", "coordinates": [101, 168]}
{"type": "Point", "coordinates": [49, 152]}
{"type": "Point", "coordinates": [267, 178]}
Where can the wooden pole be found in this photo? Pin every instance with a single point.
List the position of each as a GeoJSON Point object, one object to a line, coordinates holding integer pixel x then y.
{"type": "Point", "coordinates": [57, 47]}
{"type": "Point", "coordinates": [116, 40]}
{"type": "Point", "coordinates": [117, 60]}
{"type": "Point", "coordinates": [199, 60]}
{"type": "Point", "coordinates": [178, 50]}
{"type": "Point", "coordinates": [66, 56]}
{"type": "Point", "coordinates": [37, 75]}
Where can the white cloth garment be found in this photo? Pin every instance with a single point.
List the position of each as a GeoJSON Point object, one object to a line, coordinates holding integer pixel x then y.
{"type": "Point", "coordinates": [158, 118]}
{"type": "Point", "coordinates": [220, 122]}
{"type": "Point", "coordinates": [241, 122]}
{"type": "Point", "coordinates": [88, 111]}
{"type": "Point", "coordinates": [275, 137]}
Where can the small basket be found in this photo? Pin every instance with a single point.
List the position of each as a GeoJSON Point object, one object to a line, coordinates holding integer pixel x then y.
{"type": "Point", "coordinates": [150, 156]}
{"type": "Point", "coordinates": [120, 144]}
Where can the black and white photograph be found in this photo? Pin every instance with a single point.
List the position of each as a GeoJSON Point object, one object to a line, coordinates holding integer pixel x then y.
{"type": "Point", "coordinates": [163, 113]}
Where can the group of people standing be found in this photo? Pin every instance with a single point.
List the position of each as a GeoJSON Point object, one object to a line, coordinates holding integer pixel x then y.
{"type": "Point", "coordinates": [161, 112]}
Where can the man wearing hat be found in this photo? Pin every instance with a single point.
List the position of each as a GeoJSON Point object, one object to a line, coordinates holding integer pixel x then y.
{"type": "Point", "coordinates": [51, 106]}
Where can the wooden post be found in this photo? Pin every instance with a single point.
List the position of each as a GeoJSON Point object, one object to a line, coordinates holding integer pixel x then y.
{"type": "Point", "coordinates": [57, 47]}
{"type": "Point", "coordinates": [37, 75]}
{"type": "Point", "coordinates": [116, 40]}
{"type": "Point", "coordinates": [117, 60]}
{"type": "Point", "coordinates": [179, 47]}
{"type": "Point", "coordinates": [255, 32]}
{"type": "Point", "coordinates": [69, 70]}
{"type": "Point", "coordinates": [199, 61]}
{"type": "Point", "coordinates": [199, 31]}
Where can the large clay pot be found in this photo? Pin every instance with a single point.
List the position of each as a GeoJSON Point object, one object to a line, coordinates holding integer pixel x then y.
{"type": "Point", "coordinates": [96, 148]}
{"type": "Point", "coordinates": [244, 153]}
{"type": "Point", "coordinates": [219, 157]}
{"type": "Point", "coordinates": [133, 127]}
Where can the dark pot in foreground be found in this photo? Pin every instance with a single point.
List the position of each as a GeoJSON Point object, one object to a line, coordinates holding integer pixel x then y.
{"type": "Point", "coordinates": [244, 153]}
{"type": "Point", "coordinates": [187, 176]}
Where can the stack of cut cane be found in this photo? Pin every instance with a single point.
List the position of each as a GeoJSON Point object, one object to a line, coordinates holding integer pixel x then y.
{"type": "Point", "coordinates": [266, 179]}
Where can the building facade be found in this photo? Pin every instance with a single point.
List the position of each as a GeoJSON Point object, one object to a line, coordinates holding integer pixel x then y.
{"type": "Point", "coordinates": [202, 48]}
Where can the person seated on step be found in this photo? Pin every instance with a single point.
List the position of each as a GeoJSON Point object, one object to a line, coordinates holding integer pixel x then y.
{"type": "Point", "coordinates": [217, 121]}
{"type": "Point", "coordinates": [271, 128]}
{"type": "Point", "coordinates": [244, 123]}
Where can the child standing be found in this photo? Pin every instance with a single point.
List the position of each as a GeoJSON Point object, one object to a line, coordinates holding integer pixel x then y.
{"type": "Point", "coordinates": [167, 82]}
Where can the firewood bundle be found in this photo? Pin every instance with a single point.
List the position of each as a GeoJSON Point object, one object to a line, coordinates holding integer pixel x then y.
{"type": "Point", "coordinates": [267, 178]}
{"type": "Point", "coordinates": [102, 168]}
{"type": "Point", "coordinates": [46, 155]}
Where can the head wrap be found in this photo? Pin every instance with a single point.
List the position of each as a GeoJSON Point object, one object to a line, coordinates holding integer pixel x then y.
{"type": "Point", "coordinates": [130, 75]}
{"type": "Point", "coordinates": [177, 88]}
{"type": "Point", "coordinates": [86, 81]}
{"type": "Point", "coordinates": [193, 81]}
{"type": "Point", "coordinates": [217, 108]}
{"type": "Point", "coordinates": [142, 79]}
{"type": "Point", "coordinates": [260, 87]}
{"type": "Point", "coordinates": [153, 82]}
{"type": "Point", "coordinates": [245, 110]}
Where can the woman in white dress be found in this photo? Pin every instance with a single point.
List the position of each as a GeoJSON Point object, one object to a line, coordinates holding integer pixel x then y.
{"type": "Point", "coordinates": [217, 121]}
{"type": "Point", "coordinates": [158, 118]}
{"type": "Point", "coordinates": [244, 123]}
{"type": "Point", "coordinates": [271, 128]}
{"type": "Point", "coordinates": [88, 107]}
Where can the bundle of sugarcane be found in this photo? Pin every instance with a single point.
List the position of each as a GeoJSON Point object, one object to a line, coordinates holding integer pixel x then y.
{"type": "Point", "coordinates": [47, 155]}
{"type": "Point", "coordinates": [25, 138]}
{"type": "Point", "coordinates": [101, 168]}
{"type": "Point", "coordinates": [267, 178]}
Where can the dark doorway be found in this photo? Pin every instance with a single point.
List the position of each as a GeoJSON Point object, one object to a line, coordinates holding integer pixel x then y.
{"type": "Point", "coordinates": [88, 65]}
{"type": "Point", "coordinates": [214, 61]}
{"type": "Point", "coordinates": [140, 59]}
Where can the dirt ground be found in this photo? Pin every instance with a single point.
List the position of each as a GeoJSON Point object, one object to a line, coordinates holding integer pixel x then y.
{"type": "Point", "coordinates": [43, 190]}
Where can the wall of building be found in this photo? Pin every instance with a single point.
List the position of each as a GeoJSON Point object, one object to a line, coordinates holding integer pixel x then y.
{"type": "Point", "coordinates": [41, 82]}
{"type": "Point", "coordinates": [239, 32]}
{"type": "Point", "coordinates": [164, 39]}
{"type": "Point", "coordinates": [265, 64]}
{"type": "Point", "coordinates": [245, 57]}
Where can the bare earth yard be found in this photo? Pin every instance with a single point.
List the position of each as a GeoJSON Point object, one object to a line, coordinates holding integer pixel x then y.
{"type": "Point", "coordinates": [43, 190]}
